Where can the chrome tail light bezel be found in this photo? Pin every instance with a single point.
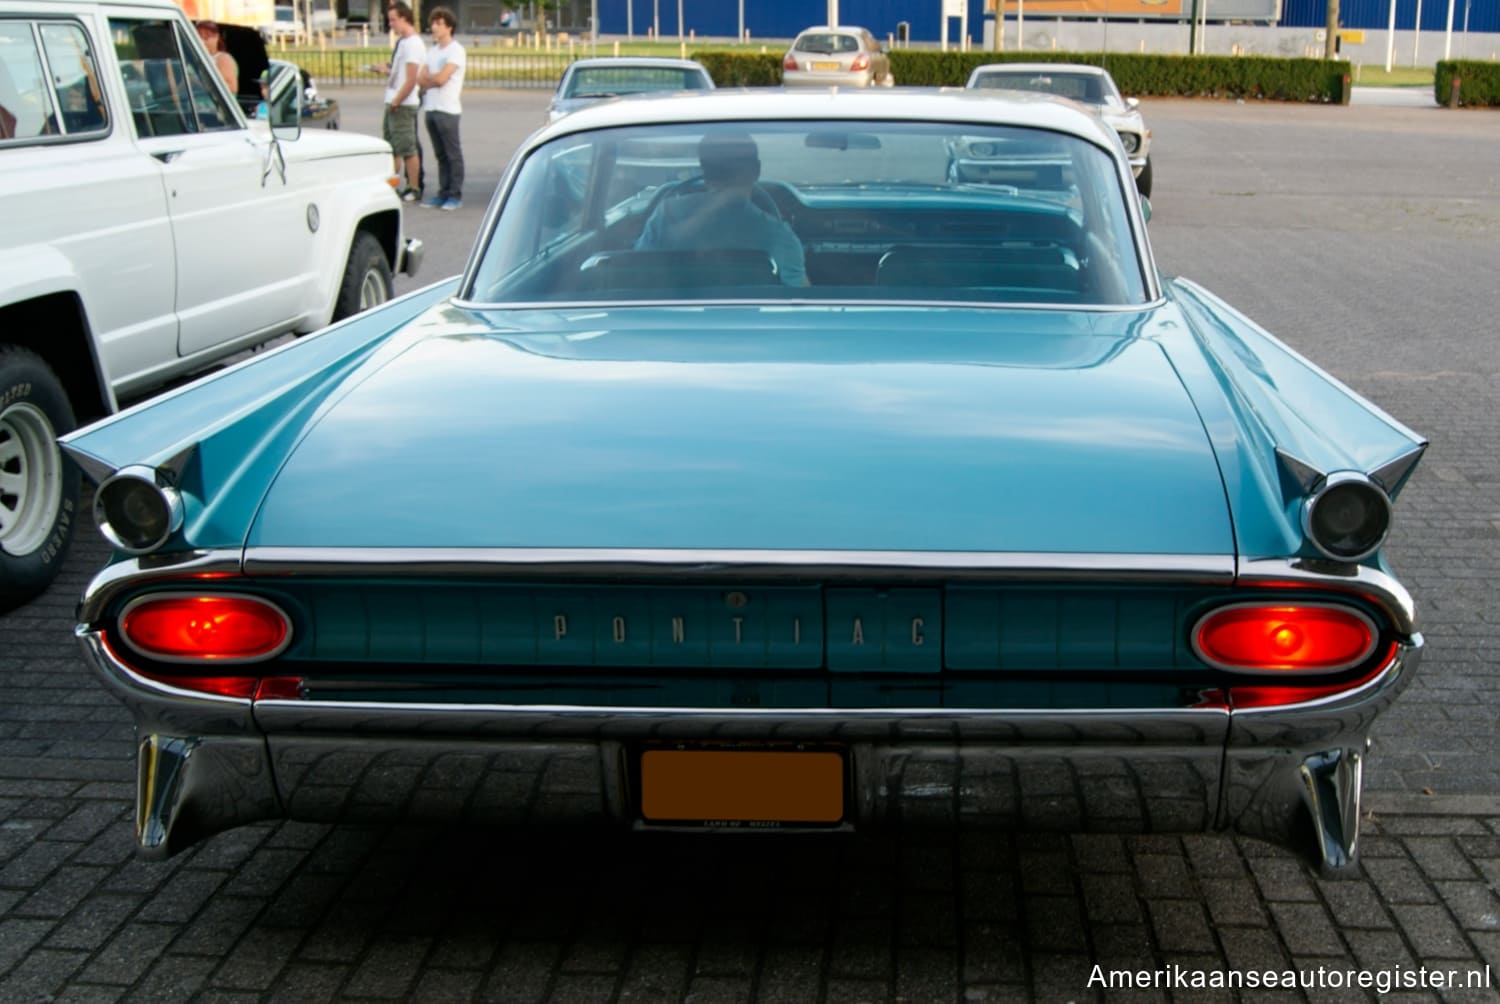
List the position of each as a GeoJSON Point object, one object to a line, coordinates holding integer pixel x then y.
{"type": "Point", "coordinates": [110, 503]}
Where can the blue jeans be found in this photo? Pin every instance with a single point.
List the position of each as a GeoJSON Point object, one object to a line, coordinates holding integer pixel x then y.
{"type": "Point", "coordinates": [443, 128]}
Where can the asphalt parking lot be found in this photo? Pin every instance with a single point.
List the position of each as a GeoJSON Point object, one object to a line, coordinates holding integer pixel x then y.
{"type": "Point", "coordinates": [1366, 236]}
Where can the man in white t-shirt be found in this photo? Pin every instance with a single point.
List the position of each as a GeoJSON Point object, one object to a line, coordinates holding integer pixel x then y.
{"type": "Point", "coordinates": [402, 99]}
{"type": "Point", "coordinates": [442, 82]}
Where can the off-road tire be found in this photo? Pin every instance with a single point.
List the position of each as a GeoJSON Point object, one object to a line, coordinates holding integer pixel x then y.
{"type": "Point", "coordinates": [367, 277]}
{"type": "Point", "coordinates": [38, 485]}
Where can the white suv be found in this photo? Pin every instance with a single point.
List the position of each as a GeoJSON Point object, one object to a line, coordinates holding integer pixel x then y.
{"type": "Point", "coordinates": [147, 230]}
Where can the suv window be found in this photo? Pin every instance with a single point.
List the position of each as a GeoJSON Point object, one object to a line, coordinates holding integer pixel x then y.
{"type": "Point", "coordinates": [55, 96]}
{"type": "Point", "coordinates": [169, 86]}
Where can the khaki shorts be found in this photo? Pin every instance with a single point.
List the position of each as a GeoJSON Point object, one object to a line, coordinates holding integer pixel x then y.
{"type": "Point", "coordinates": [400, 129]}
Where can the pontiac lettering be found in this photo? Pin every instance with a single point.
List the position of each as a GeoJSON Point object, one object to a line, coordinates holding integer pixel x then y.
{"type": "Point", "coordinates": [916, 631]}
{"type": "Point", "coordinates": [678, 628]}
{"type": "Point", "coordinates": [859, 632]}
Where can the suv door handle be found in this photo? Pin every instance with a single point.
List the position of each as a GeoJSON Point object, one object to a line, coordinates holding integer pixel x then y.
{"type": "Point", "coordinates": [167, 156]}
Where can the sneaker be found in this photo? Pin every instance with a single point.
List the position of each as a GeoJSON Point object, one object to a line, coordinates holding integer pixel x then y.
{"type": "Point", "coordinates": [451, 204]}
{"type": "Point", "coordinates": [433, 203]}
{"type": "Point", "coordinates": [409, 194]}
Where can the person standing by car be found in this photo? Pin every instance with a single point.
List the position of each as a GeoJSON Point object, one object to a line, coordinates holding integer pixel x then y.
{"type": "Point", "coordinates": [402, 98]}
{"type": "Point", "coordinates": [213, 41]}
{"type": "Point", "coordinates": [442, 83]}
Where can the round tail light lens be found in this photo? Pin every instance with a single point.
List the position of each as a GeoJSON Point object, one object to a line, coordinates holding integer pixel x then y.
{"type": "Point", "coordinates": [1255, 638]}
{"type": "Point", "coordinates": [222, 629]}
{"type": "Point", "coordinates": [861, 62]}
{"type": "Point", "coordinates": [1348, 517]}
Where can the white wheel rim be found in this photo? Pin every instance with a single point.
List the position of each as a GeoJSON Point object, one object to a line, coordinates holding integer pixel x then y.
{"type": "Point", "coordinates": [372, 292]}
{"type": "Point", "coordinates": [30, 478]}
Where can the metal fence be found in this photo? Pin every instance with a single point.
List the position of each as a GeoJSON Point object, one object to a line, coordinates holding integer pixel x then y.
{"type": "Point", "coordinates": [353, 67]}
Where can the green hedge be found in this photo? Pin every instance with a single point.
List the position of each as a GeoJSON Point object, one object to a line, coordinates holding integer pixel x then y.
{"type": "Point", "coordinates": [1138, 74]}
{"type": "Point", "coordinates": [1479, 82]}
{"type": "Point", "coordinates": [741, 69]}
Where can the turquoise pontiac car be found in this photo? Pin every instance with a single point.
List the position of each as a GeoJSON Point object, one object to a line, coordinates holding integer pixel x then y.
{"type": "Point", "coordinates": [784, 461]}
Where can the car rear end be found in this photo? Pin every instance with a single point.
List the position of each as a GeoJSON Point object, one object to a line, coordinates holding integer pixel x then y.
{"type": "Point", "coordinates": [828, 58]}
{"type": "Point", "coordinates": [770, 694]}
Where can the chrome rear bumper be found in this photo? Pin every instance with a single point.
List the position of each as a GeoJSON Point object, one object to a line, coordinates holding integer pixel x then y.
{"type": "Point", "coordinates": [1290, 774]}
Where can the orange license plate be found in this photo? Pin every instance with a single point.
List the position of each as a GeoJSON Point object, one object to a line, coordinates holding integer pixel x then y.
{"type": "Point", "coordinates": [825, 66]}
{"type": "Point", "coordinates": [742, 786]}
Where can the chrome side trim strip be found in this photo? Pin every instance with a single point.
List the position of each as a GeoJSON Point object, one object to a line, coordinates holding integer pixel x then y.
{"type": "Point", "coordinates": [1305, 573]}
{"type": "Point", "coordinates": [328, 711]}
{"type": "Point", "coordinates": [136, 689]}
{"type": "Point", "coordinates": [738, 565]}
{"type": "Point", "coordinates": [1383, 687]}
{"type": "Point", "coordinates": [153, 567]}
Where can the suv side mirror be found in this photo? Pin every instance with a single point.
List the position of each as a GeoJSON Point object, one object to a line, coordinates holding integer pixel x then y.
{"type": "Point", "coordinates": [281, 87]}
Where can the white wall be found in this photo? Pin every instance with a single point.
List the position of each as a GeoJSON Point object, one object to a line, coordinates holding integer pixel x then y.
{"type": "Point", "coordinates": [1042, 35]}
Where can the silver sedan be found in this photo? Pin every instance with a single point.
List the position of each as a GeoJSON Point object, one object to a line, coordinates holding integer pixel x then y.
{"type": "Point", "coordinates": [844, 56]}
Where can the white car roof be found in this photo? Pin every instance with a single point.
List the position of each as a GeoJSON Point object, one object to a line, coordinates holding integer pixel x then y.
{"type": "Point", "coordinates": [588, 62]}
{"type": "Point", "coordinates": [759, 104]}
{"type": "Point", "coordinates": [1085, 68]}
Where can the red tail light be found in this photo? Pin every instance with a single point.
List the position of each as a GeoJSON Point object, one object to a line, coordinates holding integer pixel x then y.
{"type": "Point", "coordinates": [222, 628]}
{"type": "Point", "coordinates": [861, 62]}
{"type": "Point", "coordinates": [789, 63]}
{"type": "Point", "coordinates": [1255, 638]}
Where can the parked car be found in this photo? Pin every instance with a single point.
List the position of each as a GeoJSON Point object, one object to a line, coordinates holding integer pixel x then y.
{"type": "Point", "coordinates": [1091, 85]}
{"type": "Point", "coordinates": [150, 231]}
{"type": "Point", "coordinates": [820, 490]}
{"type": "Point", "coordinates": [836, 57]}
{"type": "Point", "coordinates": [588, 80]}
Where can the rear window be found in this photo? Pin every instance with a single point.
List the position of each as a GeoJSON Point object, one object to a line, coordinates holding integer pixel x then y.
{"type": "Point", "coordinates": [1085, 87]}
{"type": "Point", "coordinates": [831, 210]}
{"type": "Point", "coordinates": [609, 81]}
{"type": "Point", "coordinates": [826, 43]}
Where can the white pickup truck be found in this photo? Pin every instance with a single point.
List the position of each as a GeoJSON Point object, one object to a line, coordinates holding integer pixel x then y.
{"type": "Point", "coordinates": [149, 229]}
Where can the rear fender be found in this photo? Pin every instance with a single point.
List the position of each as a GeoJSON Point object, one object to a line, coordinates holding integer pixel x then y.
{"type": "Point", "coordinates": [1295, 423]}
{"type": "Point", "coordinates": [220, 439]}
